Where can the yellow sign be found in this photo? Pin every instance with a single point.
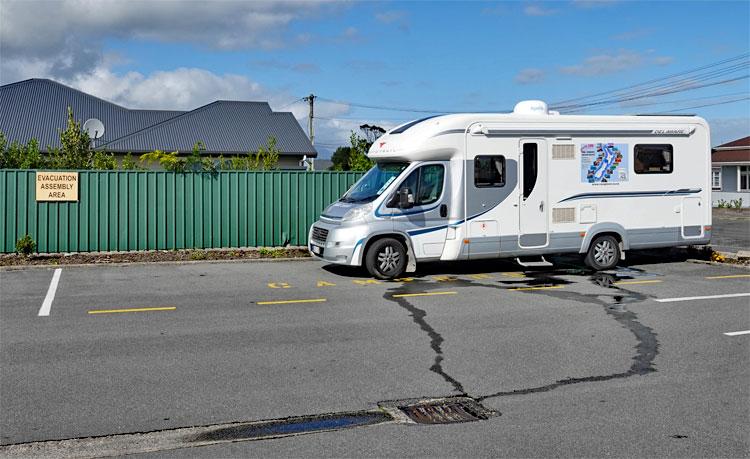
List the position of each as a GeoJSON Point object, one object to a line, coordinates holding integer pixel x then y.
{"type": "Point", "coordinates": [57, 186]}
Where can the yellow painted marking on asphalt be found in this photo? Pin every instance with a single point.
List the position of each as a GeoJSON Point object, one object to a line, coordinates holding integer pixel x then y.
{"type": "Point", "coordinates": [365, 281]}
{"type": "Point", "coordinates": [480, 276]}
{"type": "Point", "coordinates": [537, 288]}
{"type": "Point", "coordinates": [654, 281]}
{"type": "Point", "coordinates": [514, 274]}
{"type": "Point", "coordinates": [114, 311]}
{"type": "Point", "coordinates": [404, 279]}
{"type": "Point", "coordinates": [444, 278]}
{"type": "Point", "coordinates": [733, 276]}
{"type": "Point", "coordinates": [403, 295]}
{"type": "Point", "coordinates": [278, 285]}
{"type": "Point", "coordinates": [326, 284]}
{"type": "Point", "coordinates": [311, 300]}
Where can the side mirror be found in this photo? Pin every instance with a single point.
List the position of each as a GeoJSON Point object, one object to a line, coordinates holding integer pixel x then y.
{"type": "Point", "coordinates": [405, 198]}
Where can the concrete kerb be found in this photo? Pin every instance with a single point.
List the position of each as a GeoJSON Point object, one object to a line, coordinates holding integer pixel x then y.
{"type": "Point", "coordinates": [142, 263]}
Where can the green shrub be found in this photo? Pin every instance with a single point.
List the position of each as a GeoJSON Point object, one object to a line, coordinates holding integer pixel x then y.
{"type": "Point", "coordinates": [26, 245]}
{"type": "Point", "coordinates": [271, 253]}
{"type": "Point", "coordinates": [198, 255]}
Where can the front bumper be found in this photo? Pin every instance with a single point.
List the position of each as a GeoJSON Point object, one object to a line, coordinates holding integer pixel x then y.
{"type": "Point", "coordinates": [343, 244]}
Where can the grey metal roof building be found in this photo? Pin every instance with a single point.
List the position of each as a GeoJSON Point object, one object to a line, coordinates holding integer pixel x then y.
{"type": "Point", "coordinates": [37, 108]}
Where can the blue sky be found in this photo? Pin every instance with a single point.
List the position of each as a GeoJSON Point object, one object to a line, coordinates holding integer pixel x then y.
{"type": "Point", "coordinates": [418, 56]}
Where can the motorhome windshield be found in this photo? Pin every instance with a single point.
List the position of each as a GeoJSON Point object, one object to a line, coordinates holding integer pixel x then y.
{"type": "Point", "coordinates": [374, 182]}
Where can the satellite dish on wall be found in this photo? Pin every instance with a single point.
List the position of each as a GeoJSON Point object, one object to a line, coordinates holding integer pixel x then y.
{"type": "Point", "coordinates": [94, 128]}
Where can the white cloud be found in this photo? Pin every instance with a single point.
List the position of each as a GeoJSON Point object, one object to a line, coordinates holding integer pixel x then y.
{"type": "Point", "coordinates": [529, 76]}
{"type": "Point", "coordinates": [535, 9]}
{"type": "Point", "coordinates": [395, 17]}
{"type": "Point", "coordinates": [588, 4]}
{"type": "Point", "coordinates": [179, 89]}
{"type": "Point", "coordinates": [615, 62]}
{"type": "Point", "coordinates": [66, 37]}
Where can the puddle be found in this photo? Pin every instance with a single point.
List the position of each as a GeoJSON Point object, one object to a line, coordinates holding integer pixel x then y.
{"type": "Point", "coordinates": [292, 426]}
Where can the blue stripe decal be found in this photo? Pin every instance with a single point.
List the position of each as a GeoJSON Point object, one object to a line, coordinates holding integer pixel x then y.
{"type": "Point", "coordinates": [437, 228]}
{"type": "Point", "coordinates": [359, 242]}
{"type": "Point", "coordinates": [633, 194]}
{"type": "Point", "coordinates": [421, 211]}
{"type": "Point", "coordinates": [426, 230]}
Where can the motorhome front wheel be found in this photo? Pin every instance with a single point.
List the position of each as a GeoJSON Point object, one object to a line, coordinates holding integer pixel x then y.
{"type": "Point", "coordinates": [604, 253]}
{"type": "Point", "coordinates": [386, 258]}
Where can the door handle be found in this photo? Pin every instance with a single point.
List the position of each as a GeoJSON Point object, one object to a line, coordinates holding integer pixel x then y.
{"type": "Point", "coordinates": [541, 206]}
{"type": "Point", "coordinates": [443, 210]}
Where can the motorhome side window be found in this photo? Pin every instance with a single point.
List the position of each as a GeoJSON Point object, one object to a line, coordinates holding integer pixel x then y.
{"type": "Point", "coordinates": [529, 168]}
{"type": "Point", "coordinates": [489, 171]}
{"type": "Point", "coordinates": [653, 159]}
{"type": "Point", "coordinates": [425, 183]}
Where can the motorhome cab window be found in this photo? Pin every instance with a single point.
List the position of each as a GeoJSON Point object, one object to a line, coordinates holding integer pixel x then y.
{"type": "Point", "coordinates": [426, 183]}
{"type": "Point", "coordinates": [653, 159]}
{"type": "Point", "coordinates": [374, 182]}
{"type": "Point", "coordinates": [489, 171]}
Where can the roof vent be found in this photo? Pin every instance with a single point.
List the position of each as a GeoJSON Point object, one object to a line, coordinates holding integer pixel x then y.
{"type": "Point", "coordinates": [531, 107]}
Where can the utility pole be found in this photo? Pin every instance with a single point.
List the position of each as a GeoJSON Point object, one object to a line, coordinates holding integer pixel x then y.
{"type": "Point", "coordinates": [310, 129]}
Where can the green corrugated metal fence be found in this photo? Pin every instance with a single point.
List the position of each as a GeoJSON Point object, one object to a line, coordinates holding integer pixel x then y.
{"type": "Point", "coordinates": [147, 210]}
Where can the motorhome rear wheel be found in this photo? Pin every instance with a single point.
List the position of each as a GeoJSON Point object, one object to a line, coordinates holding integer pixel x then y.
{"type": "Point", "coordinates": [603, 254]}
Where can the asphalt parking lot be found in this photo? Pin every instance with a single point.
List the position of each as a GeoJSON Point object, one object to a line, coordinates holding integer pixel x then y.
{"type": "Point", "coordinates": [645, 360]}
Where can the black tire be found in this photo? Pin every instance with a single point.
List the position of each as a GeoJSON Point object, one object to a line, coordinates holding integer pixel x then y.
{"type": "Point", "coordinates": [386, 258]}
{"type": "Point", "coordinates": [603, 254]}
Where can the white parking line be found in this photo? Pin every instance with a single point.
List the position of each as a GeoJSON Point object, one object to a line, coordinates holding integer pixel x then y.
{"type": "Point", "coordinates": [744, 332]}
{"type": "Point", "coordinates": [47, 304]}
{"type": "Point", "coordinates": [709, 297]}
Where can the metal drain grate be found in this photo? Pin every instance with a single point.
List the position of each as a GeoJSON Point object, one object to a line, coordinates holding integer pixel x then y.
{"type": "Point", "coordinates": [447, 411]}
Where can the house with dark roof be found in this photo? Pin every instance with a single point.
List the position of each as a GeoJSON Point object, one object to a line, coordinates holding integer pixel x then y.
{"type": "Point", "coordinates": [730, 172]}
{"type": "Point", "coordinates": [37, 108]}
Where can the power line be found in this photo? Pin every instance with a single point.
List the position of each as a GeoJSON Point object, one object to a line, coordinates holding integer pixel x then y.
{"type": "Point", "coordinates": [708, 105]}
{"type": "Point", "coordinates": [381, 107]}
{"type": "Point", "coordinates": [676, 101]}
{"type": "Point", "coordinates": [656, 80]}
{"type": "Point", "coordinates": [663, 92]}
{"type": "Point", "coordinates": [290, 104]}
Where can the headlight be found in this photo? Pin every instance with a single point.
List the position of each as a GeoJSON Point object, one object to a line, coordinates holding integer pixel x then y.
{"type": "Point", "coordinates": [357, 213]}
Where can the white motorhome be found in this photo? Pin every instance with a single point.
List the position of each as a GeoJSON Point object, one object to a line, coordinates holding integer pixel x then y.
{"type": "Point", "coordinates": [524, 184]}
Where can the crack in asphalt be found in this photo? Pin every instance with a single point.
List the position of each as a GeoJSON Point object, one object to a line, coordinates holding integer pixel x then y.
{"type": "Point", "coordinates": [436, 341]}
{"type": "Point", "coordinates": [613, 304]}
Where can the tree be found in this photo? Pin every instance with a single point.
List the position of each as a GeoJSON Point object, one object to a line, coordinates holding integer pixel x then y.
{"type": "Point", "coordinates": [358, 160]}
{"type": "Point", "coordinates": [75, 145]}
{"type": "Point", "coordinates": [266, 158]}
{"type": "Point", "coordinates": [371, 132]}
{"type": "Point", "coordinates": [340, 159]}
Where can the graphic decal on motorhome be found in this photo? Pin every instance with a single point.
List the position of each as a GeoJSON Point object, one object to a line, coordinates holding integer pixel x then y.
{"type": "Point", "coordinates": [604, 163]}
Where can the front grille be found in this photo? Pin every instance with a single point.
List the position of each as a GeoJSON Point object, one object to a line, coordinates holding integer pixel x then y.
{"type": "Point", "coordinates": [319, 234]}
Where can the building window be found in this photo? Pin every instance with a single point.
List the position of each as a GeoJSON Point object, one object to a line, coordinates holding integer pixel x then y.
{"type": "Point", "coordinates": [744, 182]}
{"type": "Point", "coordinates": [489, 171]}
{"type": "Point", "coordinates": [653, 159]}
{"type": "Point", "coordinates": [716, 178]}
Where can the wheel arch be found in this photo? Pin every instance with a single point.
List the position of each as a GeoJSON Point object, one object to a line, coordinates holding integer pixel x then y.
{"type": "Point", "coordinates": [403, 237]}
{"type": "Point", "coordinates": [601, 229]}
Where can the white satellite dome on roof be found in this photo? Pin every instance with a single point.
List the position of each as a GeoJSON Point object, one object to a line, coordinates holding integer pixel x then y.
{"type": "Point", "coordinates": [531, 107]}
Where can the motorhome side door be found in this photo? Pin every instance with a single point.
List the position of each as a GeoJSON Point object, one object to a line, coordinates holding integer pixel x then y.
{"type": "Point", "coordinates": [533, 204]}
